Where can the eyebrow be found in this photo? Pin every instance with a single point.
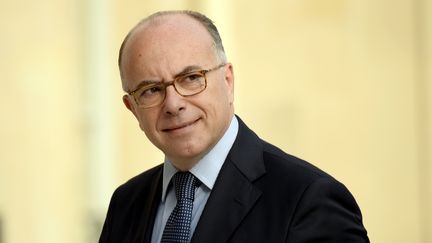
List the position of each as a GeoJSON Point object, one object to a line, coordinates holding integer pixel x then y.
{"type": "Point", "coordinates": [185, 70]}
{"type": "Point", "coordinates": [144, 83]}
{"type": "Point", "coordinates": [188, 69]}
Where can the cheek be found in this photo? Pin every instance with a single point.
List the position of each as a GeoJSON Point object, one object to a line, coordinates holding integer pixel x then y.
{"type": "Point", "coordinates": [147, 122]}
{"type": "Point", "coordinates": [222, 97]}
{"type": "Point", "coordinates": [218, 107]}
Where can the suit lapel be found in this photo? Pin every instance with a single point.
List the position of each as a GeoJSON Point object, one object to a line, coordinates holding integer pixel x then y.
{"type": "Point", "coordinates": [234, 193]}
{"type": "Point", "coordinates": [147, 209]}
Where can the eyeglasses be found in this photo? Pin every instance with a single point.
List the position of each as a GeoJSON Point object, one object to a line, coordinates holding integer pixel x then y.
{"type": "Point", "coordinates": [186, 84]}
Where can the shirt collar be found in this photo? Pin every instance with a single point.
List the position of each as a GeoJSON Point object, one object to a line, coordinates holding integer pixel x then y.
{"type": "Point", "coordinates": [207, 169]}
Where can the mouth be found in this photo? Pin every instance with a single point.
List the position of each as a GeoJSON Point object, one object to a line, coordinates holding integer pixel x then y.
{"type": "Point", "coordinates": [179, 127]}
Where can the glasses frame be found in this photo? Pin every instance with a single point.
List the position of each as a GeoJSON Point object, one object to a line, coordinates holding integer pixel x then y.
{"type": "Point", "coordinates": [172, 82]}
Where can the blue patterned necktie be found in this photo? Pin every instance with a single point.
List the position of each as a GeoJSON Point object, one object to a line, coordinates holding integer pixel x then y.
{"type": "Point", "coordinates": [177, 228]}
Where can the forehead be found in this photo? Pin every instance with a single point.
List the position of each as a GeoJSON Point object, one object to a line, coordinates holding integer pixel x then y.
{"type": "Point", "coordinates": [168, 41]}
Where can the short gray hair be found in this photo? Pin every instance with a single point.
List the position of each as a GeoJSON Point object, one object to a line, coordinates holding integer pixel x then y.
{"type": "Point", "coordinates": [204, 20]}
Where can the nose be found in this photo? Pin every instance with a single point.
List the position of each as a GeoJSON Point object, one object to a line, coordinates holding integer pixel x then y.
{"type": "Point", "coordinates": [174, 103]}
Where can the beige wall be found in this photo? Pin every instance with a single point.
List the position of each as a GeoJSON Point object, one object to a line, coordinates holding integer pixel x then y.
{"type": "Point", "coordinates": [343, 84]}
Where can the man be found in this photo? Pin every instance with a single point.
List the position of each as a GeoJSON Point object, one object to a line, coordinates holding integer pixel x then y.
{"type": "Point", "coordinates": [219, 181]}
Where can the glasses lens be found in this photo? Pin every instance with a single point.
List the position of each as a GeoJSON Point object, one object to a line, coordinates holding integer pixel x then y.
{"type": "Point", "coordinates": [191, 83]}
{"type": "Point", "coordinates": [150, 95]}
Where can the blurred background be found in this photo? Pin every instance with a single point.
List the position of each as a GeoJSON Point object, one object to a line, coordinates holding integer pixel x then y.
{"type": "Point", "coordinates": [344, 84]}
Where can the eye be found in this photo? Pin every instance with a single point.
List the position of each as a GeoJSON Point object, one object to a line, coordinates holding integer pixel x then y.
{"type": "Point", "coordinates": [150, 91]}
{"type": "Point", "coordinates": [191, 79]}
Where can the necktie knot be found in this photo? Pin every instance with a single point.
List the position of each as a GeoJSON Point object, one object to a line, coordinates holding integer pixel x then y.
{"type": "Point", "coordinates": [184, 185]}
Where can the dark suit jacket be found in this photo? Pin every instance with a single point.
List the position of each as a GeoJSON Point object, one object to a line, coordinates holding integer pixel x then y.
{"type": "Point", "coordinates": [261, 195]}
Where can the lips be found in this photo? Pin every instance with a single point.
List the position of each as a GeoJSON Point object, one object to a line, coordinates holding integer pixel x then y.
{"type": "Point", "coordinates": [176, 127]}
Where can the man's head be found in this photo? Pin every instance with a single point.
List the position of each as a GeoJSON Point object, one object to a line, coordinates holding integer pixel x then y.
{"type": "Point", "coordinates": [161, 48]}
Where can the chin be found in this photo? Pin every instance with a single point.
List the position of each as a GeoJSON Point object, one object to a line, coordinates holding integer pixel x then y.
{"type": "Point", "coordinates": [189, 152]}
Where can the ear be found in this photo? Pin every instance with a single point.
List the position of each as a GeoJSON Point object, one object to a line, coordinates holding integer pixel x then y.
{"type": "Point", "coordinates": [229, 78]}
{"type": "Point", "coordinates": [127, 101]}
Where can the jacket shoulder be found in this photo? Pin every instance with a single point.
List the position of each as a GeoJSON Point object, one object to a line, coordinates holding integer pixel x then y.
{"type": "Point", "coordinates": [293, 167]}
{"type": "Point", "coordinates": [139, 183]}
